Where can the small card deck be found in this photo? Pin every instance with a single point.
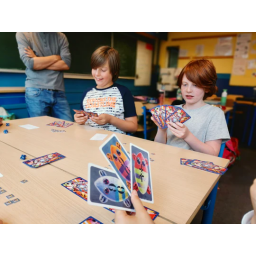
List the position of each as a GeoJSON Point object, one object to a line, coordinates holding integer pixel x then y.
{"type": "Point", "coordinates": [90, 220]}
{"type": "Point", "coordinates": [141, 179]}
{"type": "Point", "coordinates": [105, 189]}
{"type": "Point", "coordinates": [203, 165]}
{"type": "Point", "coordinates": [116, 155]}
{"type": "Point", "coordinates": [78, 186]}
{"type": "Point", "coordinates": [43, 160]}
{"type": "Point", "coordinates": [89, 114]}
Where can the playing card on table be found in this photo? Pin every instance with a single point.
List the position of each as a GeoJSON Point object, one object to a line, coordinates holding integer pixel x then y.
{"type": "Point", "coordinates": [141, 178]}
{"type": "Point", "coordinates": [2, 191]}
{"type": "Point", "coordinates": [8, 202]}
{"type": "Point", "coordinates": [118, 158]}
{"type": "Point", "coordinates": [178, 116]}
{"type": "Point", "coordinates": [152, 213]}
{"type": "Point", "coordinates": [78, 186]}
{"type": "Point", "coordinates": [10, 196]}
{"type": "Point", "coordinates": [43, 160]}
{"type": "Point", "coordinates": [16, 200]}
{"type": "Point", "coordinates": [106, 190]}
{"type": "Point", "coordinates": [90, 220]}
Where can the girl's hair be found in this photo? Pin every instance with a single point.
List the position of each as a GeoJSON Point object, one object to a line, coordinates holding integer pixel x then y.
{"type": "Point", "coordinates": [103, 54]}
{"type": "Point", "coordinates": [202, 73]}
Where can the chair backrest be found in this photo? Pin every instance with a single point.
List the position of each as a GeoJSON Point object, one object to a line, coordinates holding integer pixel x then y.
{"type": "Point", "coordinates": [222, 149]}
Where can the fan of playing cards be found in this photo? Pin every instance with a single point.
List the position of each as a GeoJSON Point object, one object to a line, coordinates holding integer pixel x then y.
{"type": "Point", "coordinates": [166, 113]}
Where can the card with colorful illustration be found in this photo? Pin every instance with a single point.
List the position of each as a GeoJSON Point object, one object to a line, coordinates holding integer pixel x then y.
{"type": "Point", "coordinates": [178, 116]}
{"type": "Point", "coordinates": [8, 202]}
{"type": "Point", "coordinates": [155, 115]}
{"type": "Point", "coordinates": [78, 186]}
{"type": "Point", "coordinates": [90, 220]}
{"type": "Point", "coordinates": [91, 114]}
{"type": "Point", "coordinates": [169, 110]}
{"type": "Point", "coordinates": [116, 155]}
{"type": "Point", "coordinates": [152, 213]}
{"type": "Point", "coordinates": [24, 181]}
{"type": "Point", "coordinates": [105, 189]}
{"type": "Point", "coordinates": [141, 178]}
{"type": "Point", "coordinates": [16, 200]}
{"type": "Point", "coordinates": [43, 160]}
{"type": "Point", "coordinates": [2, 191]}
{"type": "Point", "coordinates": [160, 111]}
{"type": "Point", "coordinates": [61, 124]}
{"type": "Point", "coordinates": [204, 165]}
{"type": "Point", "coordinates": [10, 196]}
{"type": "Point", "coordinates": [79, 111]}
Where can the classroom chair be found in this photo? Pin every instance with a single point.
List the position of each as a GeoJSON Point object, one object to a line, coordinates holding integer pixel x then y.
{"type": "Point", "coordinates": [245, 102]}
{"type": "Point", "coordinates": [252, 126]}
{"type": "Point", "coordinates": [209, 204]}
{"type": "Point", "coordinates": [142, 112]}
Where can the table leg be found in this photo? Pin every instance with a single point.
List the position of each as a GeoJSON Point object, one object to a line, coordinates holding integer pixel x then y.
{"type": "Point", "coordinates": [252, 127]}
{"type": "Point", "coordinates": [209, 206]}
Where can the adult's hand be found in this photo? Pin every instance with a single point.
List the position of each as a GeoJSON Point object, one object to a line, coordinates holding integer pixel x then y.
{"type": "Point", "coordinates": [30, 53]}
{"type": "Point", "coordinates": [141, 216]}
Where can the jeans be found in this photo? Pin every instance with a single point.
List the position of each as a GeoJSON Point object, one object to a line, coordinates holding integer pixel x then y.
{"type": "Point", "coordinates": [41, 102]}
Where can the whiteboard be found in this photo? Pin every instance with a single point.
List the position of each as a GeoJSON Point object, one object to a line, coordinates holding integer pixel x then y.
{"type": "Point", "coordinates": [143, 63]}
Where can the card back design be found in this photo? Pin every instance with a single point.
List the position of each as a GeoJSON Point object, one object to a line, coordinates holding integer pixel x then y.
{"type": "Point", "coordinates": [78, 186]}
{"type": "Point", "coordinates": [90, 220]}
{"type": "Point", "coordinates": [43, 160]}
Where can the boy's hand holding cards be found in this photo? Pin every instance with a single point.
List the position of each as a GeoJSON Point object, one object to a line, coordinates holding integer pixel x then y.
{"type": "Point", "coordinates": [89, 114]}
{"type": "Point", "coordinates": [166, 113]}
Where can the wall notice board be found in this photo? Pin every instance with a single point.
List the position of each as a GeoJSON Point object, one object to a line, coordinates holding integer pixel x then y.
{"type": "Point", "coordinates": [244, 65]}
{"type": "Point", "coordinates": [82, 45]}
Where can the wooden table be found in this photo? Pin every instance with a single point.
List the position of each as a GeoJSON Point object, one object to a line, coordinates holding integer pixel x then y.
{"type": "Point", "coordinates": [179, 191]}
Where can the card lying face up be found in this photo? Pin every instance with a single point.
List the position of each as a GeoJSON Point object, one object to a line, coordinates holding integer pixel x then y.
{"type": "Point", "coordinates": [106, 190]}
{"type": "Point", "coordinates": [119, 159]}
{"type": "Point", "coordinates": [43, 160]}
{"type": "Point", "coordinates": [141, 173]}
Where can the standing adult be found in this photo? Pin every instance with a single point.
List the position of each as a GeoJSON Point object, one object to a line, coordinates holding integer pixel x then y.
{"type": "Point", "coordinates": [45, 56]}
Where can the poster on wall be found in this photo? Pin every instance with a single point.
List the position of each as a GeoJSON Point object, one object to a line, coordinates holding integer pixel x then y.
{"type": "Point", "coordinates": [239, 67]}
{"type": "Point", "coordinates": [183, 53]}
{"type": "Point", "coordinates": [200, 50]}
{"type": "Point", "coordinates": [224, 46]}
{"type": "Point", "coordinates": [242, 45]}
{"type": "Point", "coordinates": [253, 47]}
{"type": "Point", "coordinates": [251, 64]}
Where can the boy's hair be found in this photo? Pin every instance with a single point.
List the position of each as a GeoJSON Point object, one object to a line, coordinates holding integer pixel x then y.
{"type": "Point", "coordinates": [103, 54]}
{"type": "Point", "coordinates": [202, 73]}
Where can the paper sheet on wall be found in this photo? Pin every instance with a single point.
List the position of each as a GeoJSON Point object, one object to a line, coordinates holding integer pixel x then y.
{"type": "Point", "coordinates": [253, 47]}
{"type": "Point", "coordinates": [183, 53]}
{"type": "Point", "coordinates": [251, 64]}
{"type": "Point", "coordinates": [242, 45]}
{"type": "Point", "coordinates": [224, 47]}
{"type": "Point", "coordinates": [200, 50]}
{"type": "Point", "coordinates": [239, 67]}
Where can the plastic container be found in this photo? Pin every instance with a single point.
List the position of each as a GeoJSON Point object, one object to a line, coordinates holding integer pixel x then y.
{"type": "Point", "coordinates": [179, 95]}
{"type": "Point", "coordinates": [223, 99]}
